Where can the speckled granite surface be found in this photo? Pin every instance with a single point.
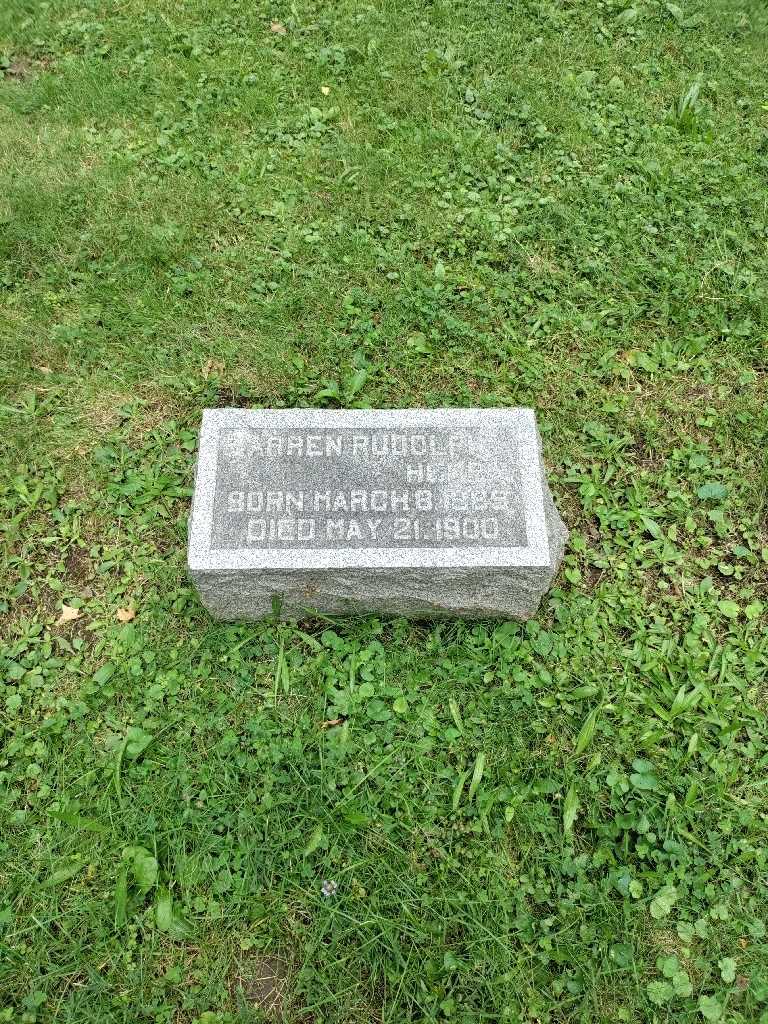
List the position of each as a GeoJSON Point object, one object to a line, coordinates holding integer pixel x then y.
{"type": "Point", "coordinates": [423, 513]}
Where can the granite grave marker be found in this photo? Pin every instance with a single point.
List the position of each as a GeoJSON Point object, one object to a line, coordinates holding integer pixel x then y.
{"type": "Point", "coordinates": [417, 512]}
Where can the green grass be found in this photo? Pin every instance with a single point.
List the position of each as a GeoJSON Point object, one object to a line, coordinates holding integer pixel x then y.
{"type": "Point", "coordinates": [541, 202]}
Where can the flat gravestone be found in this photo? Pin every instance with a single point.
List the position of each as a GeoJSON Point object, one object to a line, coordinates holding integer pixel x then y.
{"type": "Point", "coordinates": [415, 512]}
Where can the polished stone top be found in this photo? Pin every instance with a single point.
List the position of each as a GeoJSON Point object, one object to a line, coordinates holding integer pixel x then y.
{"type": "Point", "coordinates": [317, 489]}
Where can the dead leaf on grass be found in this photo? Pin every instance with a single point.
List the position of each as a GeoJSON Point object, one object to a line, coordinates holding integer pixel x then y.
{"type": "Point", "coordinates": [331, 722]}
{"type": "Point", "coordinates": [213, 368]}
{"type": "Point", "coordinates": [278, 28]}
{"type": "Point", "coordinates": [126, 614]}
{"type": "Point", "coordinates": [68, 614]}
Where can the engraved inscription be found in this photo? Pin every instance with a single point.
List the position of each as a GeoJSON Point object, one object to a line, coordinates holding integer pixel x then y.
{"type": "Point", "coordinates": [332, 488]}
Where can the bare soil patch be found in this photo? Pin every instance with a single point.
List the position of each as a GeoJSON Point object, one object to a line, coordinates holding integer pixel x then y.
{"type": "Point", "coordinates": [20, 69]}
{"type": "Point", "coordinates": [263, 981]}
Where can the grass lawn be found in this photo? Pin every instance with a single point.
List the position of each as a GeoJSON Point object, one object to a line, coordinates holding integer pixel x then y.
{"type": "Point", "coordinates": [557, 203]}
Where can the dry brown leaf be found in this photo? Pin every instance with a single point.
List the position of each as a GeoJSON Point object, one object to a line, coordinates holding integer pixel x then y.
{"type": "Point", "coordinates": [331, 722]}
{"type": "Point", "coordinates": [212, 367]}
{"type": "Point", "coordinates": [325, 90]}
{"type": "Point", "coordinates": [68, 614]}
{"type": "Point", "coordinates": [125, 614]}
{"type": "Point", "coordinates": [278, 27]}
